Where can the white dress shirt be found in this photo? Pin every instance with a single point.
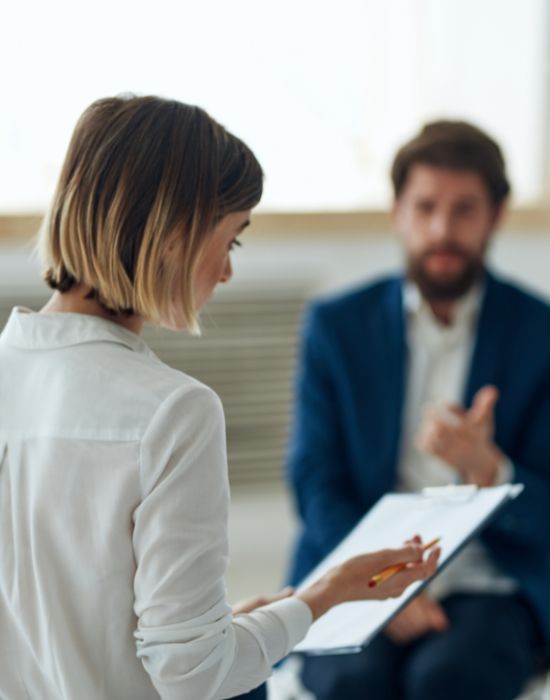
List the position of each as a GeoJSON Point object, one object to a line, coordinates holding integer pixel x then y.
{"type": "Point", "coordinates": [113, 519]}
{"type": "Point", "coordinates": [438, 362]}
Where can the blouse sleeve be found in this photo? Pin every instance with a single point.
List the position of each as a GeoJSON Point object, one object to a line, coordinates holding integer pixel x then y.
{"type": "Point", "coordinates": [186, 636]}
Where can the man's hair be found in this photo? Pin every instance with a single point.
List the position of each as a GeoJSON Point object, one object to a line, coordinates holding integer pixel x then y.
{"type": "Point", "coordinates": [139, 174]}
{"type": "Point", "coordinates": [456, 145]}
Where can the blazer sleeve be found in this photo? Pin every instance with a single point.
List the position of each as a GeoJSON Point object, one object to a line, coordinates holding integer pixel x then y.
{"type": "Point", "coordinates": [318, 462]}
{"type": "Point", "coordinates": [526, 520]}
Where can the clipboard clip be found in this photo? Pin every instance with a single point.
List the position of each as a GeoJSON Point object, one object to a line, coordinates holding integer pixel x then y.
{"type": "Point", "coordinates": [453, 492]}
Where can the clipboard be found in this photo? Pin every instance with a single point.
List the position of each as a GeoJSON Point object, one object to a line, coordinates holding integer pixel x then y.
{"type": "Point", "coordinates": [456, 514]}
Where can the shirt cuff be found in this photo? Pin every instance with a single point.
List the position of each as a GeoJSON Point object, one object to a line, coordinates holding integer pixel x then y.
{"type": "Point", "coordinates": [295, 616]}
{"type": "Point", "coordinates": [505, 472]}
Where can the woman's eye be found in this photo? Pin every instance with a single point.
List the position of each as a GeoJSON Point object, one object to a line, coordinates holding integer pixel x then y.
{"type": "Point", "coordinates": [235, 244]}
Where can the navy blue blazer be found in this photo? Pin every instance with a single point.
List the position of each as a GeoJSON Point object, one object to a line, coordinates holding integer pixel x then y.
{"type": "Point", "coordinates": [350, 396]}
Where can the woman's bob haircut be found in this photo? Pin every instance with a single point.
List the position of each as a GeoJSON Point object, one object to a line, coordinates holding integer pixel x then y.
{"type": "Point", "coordinates": [143, 176]}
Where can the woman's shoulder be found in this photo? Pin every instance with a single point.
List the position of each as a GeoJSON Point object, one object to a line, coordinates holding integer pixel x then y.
{"type": "Point", "coordinates": [170, 384]}
{"type": "Point", "coordinates": [139, 385]}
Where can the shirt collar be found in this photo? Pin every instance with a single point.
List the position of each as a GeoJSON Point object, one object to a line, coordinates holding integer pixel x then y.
{"type": "Point", "coordinates": [40, 331]}
{"type": "Point", "coordinates": [465, 312]}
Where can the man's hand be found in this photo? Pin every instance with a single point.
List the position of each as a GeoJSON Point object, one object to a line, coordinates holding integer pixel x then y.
{"type": "Point", "coordinates": [420, 617]}
{"type": "Point", "coordinates": [464, 439]}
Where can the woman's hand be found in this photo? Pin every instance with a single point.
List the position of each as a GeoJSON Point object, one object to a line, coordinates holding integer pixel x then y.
{"type": "Point", "coordinates": [350, 580]}
{"type": "Point", "coordinates": [250, 604]}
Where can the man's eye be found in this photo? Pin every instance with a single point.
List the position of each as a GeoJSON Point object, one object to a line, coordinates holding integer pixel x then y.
{"type": "Point", "coordinates": [466, 209]}
{"type": "Point", "coordinates": [424, 207]}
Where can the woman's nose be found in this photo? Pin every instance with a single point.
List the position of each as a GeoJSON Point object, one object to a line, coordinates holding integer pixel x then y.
{"type": "Point", "coordinates": [227, 272]}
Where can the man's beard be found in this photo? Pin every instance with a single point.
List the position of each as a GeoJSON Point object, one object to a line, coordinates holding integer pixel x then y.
{"type": "Point", "coordinates": [441, 288]}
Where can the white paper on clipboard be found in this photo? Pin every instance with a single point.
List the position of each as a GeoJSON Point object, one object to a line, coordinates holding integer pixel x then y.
{"type": "Point", "coordinates": [455, 514]}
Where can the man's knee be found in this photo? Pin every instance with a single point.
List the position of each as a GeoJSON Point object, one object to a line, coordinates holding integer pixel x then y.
{"type": "Point", "coordinates": [370, 674]}
{"type": "Point", "coordinates": [447, 679]}
{"type": "Point", "coordinates": [333, 678]}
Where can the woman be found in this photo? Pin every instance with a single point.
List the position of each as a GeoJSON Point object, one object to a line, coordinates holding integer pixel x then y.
{"type": "Point", "coordinates": [113, 483]}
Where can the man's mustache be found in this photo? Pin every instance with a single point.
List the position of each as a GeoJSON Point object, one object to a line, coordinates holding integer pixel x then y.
{"type": "Point", "coordinates": [448, 249]}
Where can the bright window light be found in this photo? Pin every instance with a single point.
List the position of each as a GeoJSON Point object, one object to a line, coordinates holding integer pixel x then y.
{"type": "Point", "coordinates": [324, 92]}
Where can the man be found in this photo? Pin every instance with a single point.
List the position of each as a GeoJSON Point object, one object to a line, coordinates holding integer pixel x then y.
{"type": "Point", "coordinates": [442, 375]}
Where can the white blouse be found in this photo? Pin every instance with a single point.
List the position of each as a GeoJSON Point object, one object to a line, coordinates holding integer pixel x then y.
{"type": "Point", "coordinates": [113, 525]}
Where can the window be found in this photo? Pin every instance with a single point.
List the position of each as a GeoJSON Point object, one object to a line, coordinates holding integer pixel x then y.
{"type": "Point", "coordinates": [324, 92]}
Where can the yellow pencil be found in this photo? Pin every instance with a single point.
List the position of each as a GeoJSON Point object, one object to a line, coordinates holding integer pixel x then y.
{"type": "Point", "coordinates": [390, 571]}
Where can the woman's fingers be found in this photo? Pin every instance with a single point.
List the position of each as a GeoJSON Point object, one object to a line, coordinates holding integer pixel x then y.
{"type": "Point", "coordinates": [353, 580]}
{"type": "Point", "coordinates": [414, 540]}
{"type": "Point", "coordinates": [408, 554]}
{"type": "Point", "coordinates": [417, 571]}
{"type": "Point", "coordinates": [394, 586]}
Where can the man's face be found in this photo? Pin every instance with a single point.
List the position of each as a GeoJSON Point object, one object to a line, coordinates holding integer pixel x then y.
{"type": "Point", "coordinates": [445, 218]}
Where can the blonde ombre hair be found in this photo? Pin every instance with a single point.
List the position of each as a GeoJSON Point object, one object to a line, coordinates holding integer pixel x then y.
{"type": "Point", "coordinates": [143, 175]}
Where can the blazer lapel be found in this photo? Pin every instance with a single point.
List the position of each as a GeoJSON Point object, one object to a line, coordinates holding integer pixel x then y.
{"type": "Point", "coordinates": [490, 340]}
{"type": "Point", "coordinates": [393, 376]}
